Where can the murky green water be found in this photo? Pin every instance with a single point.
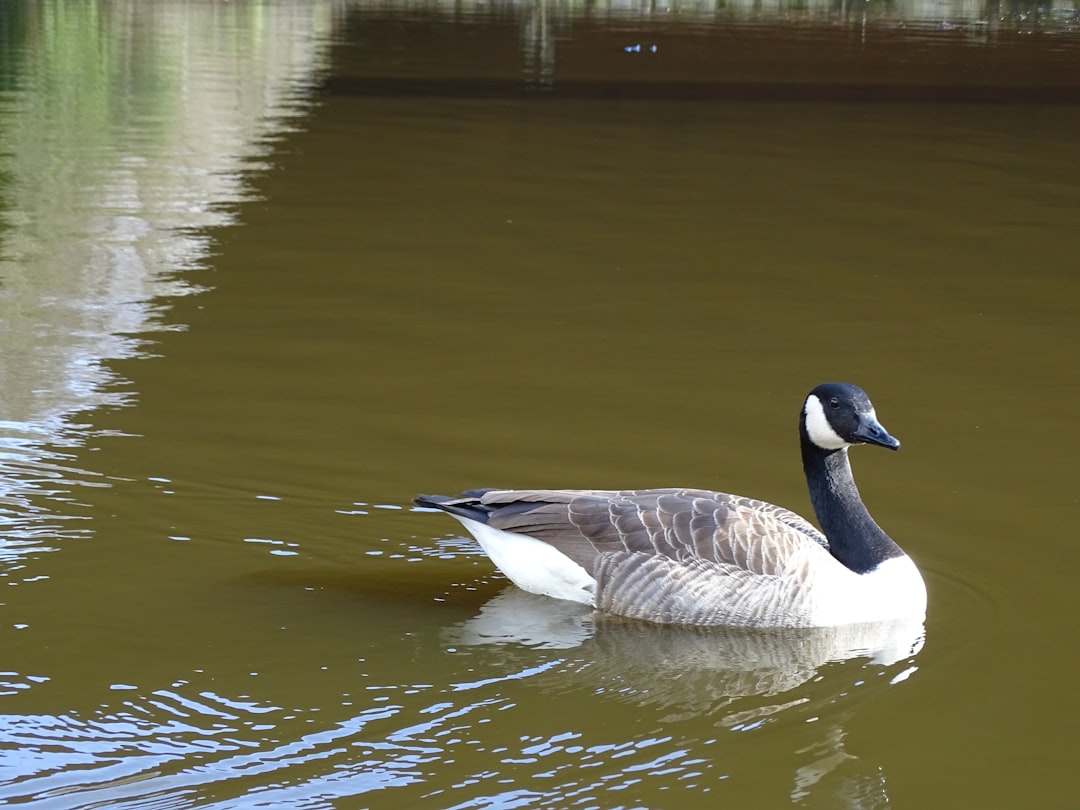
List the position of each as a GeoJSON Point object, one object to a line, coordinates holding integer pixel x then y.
{"type": "Point", "coordinates": [267, 271]}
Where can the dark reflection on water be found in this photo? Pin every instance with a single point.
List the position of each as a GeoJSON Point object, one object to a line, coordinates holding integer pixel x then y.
{"type": "Point", "coordinates": [837, 51]}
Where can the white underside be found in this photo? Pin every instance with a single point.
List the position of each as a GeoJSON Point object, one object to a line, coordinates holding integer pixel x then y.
{"type": "Point", "coordinates": [532, 564]}
{"type": "Point", "coordinates": [893, 590]}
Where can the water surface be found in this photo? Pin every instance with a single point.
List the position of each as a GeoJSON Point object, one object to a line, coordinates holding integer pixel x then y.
{"type": "Point", "coordinates": [258, 289]}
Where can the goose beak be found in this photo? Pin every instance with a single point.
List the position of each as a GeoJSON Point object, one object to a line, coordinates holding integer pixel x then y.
{"type": "Point", "coordinates": [871, 432]}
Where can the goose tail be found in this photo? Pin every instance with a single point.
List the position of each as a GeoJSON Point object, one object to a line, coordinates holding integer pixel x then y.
{"type": "Point", "coordinates": [466, 505]}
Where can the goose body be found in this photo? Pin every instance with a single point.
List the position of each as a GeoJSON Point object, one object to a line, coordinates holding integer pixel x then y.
{"type": "Point", "coordinates": [688, 556]}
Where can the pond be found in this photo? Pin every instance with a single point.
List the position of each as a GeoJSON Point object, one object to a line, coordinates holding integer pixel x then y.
{"type": "Point", "coordinates": [267, 271]}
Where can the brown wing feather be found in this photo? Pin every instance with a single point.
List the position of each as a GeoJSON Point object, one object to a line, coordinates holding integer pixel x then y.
{"type": "Point", "coordinates": [699, 592]}
{"type": "Point", "coordinates": [676, 524]}
{"type": "Point", "coordinates": [680, 556]}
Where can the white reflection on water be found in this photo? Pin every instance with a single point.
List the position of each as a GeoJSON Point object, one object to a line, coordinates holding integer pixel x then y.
{"type": "Point", "coordinates": [515, 616]}
{"type": "Point", "coordinates": [119, 758]}
{"type": "Point", "coordinates": [698, 670]}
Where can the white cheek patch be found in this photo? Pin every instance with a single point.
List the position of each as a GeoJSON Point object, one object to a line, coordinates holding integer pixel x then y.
{"type": "Point", "coordinates": [818, 428]}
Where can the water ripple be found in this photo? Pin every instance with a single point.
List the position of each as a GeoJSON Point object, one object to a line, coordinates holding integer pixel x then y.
{"type": "Point", "coordinates": [125, 757]}
{"type": "Point", "coordinates": [188, 744]}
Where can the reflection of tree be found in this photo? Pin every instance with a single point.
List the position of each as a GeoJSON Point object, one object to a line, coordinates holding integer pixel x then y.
{"type": "Point", "coordinates": [741, 676]}
{"type": "Point", "coordinates": [125, 134]}
{"type": "Point", "coordinates": [538, 46]}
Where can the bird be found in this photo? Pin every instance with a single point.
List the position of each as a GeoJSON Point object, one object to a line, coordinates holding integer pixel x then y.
{"type": "Point", "coordinates": [696, 557]}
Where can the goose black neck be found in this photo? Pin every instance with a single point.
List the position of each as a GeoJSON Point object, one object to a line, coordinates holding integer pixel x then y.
{"type": "Point", "coordinates": [854, 538]}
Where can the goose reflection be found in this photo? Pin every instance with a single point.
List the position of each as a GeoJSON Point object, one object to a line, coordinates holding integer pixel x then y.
{"type": "Point", "coordinates": [741, 677]}
{"type": "Point", "coordinates": [785, 657]}
{"type": "Point", "coordinates": [694, 670]}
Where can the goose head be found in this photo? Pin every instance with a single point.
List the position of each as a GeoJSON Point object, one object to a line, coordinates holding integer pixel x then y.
{"type": "Point", "coordinates": [838, 415]}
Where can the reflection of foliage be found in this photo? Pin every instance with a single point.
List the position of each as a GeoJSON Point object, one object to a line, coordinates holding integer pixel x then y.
{"type": "Point", "coordinates": [125, 128]}
{"type": "Point", "coordinates": [13, 26]}
{"type": "Point", "coordinates": [88, 68]}
{"type": "Point", "coordinates": [70, 59]}
{"type": "Point", "coordinates": [73, 66]}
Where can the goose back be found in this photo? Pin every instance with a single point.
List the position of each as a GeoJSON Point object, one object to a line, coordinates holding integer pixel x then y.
{"type": "Point", "coordinates": [682, 556]}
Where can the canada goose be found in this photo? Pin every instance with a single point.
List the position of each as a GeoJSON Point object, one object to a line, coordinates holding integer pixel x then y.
{"type": "Point", "coordinates": [687, 556]}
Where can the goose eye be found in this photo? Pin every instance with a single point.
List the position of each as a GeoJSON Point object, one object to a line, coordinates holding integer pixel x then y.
{"type": "Point", "coordinates": [834, 402]}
